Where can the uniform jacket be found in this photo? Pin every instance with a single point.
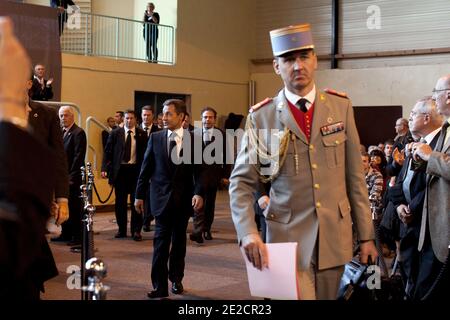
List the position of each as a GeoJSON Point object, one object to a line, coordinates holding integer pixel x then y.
{"type": "Point", "coordinates": [45, 124]}
{"type": "Point", "coordinates": [316, 202]}
{"type": "Point", "coordinates": [436, 209]}
{"type": "Point", "coordinates": [112, 157]}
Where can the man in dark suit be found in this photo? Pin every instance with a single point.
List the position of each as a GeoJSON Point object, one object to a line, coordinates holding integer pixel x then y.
{"type": "Point", "coordinates": [169, 165]}
{"type": "Point", "coordinates": [147, 116]}
{"type": "Point", "coordinates": [433, 281]}
{"type": "Point", "coordinates": [26, 181]}
{"type": "Point", "coordinates": [75, 148]}
{"type": "Point", "coordinates": [105, 133]}
{"type": "Point", "coordinates": [215, 171]}
{"type": "Point", "coordinates": [121, 163]}
{"type": "Point", "coordinates": [42, 88]}
{"type": "Point", "coordinates": [61, 5]}
{"type": "Point", "coordinates": [424, 122]}
{"type": "Point", "coordinates": [187, 122]}
{"type": "Point", "coordinates": [45, 126]}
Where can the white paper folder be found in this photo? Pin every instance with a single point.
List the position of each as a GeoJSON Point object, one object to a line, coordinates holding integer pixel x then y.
{"type": "Point", "coordinates": [279, 281]}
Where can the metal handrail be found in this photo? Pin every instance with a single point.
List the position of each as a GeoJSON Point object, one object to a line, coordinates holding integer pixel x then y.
{"type": "Point", "coordinates": [108, 36]}
{"type": "Point", "coordinates": [90, 120]}
{"type": "Point", "coordinates": [61, 103]}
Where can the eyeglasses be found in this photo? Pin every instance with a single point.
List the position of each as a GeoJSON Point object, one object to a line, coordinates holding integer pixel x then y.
{"type": "Point", "coordinates": [415, 114]}
{"type": "Point", "coordinates": [439, 90]}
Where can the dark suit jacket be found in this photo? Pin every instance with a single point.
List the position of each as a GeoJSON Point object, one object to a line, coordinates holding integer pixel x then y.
{"type": "Point", "coordinates": [172, 186]}
{"type": "Point", "coordinates": [75, 147]}
{"type": "Point", "coordinates": [154, 128]}
{"type": "Point", "coordinates": [417, 191]}
{"type": "Point", "coordinates": [112, 157]}
{"type": "Point", "coordinates": [45, 124]}
{"type": "Point", "coordinates": [26, 191]}
{"type": "Point", "coordinates": [214, 172]}
{"type": "Point", "coordinates": [40, 94]}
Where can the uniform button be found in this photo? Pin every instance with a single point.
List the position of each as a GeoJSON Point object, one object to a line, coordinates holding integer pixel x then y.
{"type": "Point", "coordinates": [337, 142]}
{"type": "Point", "coordinates": [317, 186]}
{"type": "Point", "coordinates": [311, 147]}
{"type": "Point", "coordinates": [314, 166]}
{"type": "Point", "coordinates": [272, 215]}
{"type": "Point", "coordinates": [318, 205]}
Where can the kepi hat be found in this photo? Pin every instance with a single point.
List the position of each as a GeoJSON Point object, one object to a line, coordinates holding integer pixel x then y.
{"type": "Point", "coordinates": [292, 38]}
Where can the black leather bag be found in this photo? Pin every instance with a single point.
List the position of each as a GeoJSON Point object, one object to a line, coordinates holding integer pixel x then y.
{"type": "Point", "coordinates": [353, 285]}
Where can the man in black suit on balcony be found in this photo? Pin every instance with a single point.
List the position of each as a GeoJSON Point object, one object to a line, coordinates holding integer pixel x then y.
{"type": "Point", "coordinates": [175, 189]}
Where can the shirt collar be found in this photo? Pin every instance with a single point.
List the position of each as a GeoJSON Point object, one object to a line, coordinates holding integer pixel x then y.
{"type": "Point", "coordinates": [69, 127]}
{"type": "Point", "coordinates": [429, 137]}
{"type": "Point", "coordinates": [148, 127]}
{"type": "Point", "coordinates": [293, 98]}
{"type": "Point", "coordinates": [132, 130]}
{"type": "Point", "coordinates": [178, 131]}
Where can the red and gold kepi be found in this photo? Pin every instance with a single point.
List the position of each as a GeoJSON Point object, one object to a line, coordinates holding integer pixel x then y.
{"type": "Point", "coordinates": [292, 38]}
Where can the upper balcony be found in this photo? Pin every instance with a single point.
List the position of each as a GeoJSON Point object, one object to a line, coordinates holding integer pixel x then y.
{"type": "Point", "coordinates": [106, 36]}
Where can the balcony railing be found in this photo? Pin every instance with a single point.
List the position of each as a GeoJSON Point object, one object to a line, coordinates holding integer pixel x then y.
{"type": "Point", "coordinates": [105, 36]}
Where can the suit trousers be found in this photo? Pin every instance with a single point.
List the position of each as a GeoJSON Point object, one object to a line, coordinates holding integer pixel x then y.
{"type": "Point", "coordinates": [429, 268]}
{"type": "Point", "coordinates": [71, 229]}
{"type": "Point", "coordinates": [170, 227]}
{"type": "Point", "coordinates": [125, 185]}
{"type": "Point", "coordinates": [209, 207]}
{"type": "Point", "coordinates": [75, 207]}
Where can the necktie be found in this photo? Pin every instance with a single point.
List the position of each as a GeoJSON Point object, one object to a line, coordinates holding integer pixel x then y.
{"type": "Point", "coordinates": [441, 141]}
{"type": "Point", "coordinates": [146, 130]}
{"type": "Point", "coordinates": [172, 145]}
{"type": "Point", "coordinates": [127, 152]}
{"type": "Point", "coordinates": [302, 104]}
{"type": "Point", "coordinates": [64, 133]}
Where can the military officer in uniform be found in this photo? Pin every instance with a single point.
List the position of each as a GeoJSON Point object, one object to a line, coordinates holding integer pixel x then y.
{"type": "Point", "coordinates": [316, 174]}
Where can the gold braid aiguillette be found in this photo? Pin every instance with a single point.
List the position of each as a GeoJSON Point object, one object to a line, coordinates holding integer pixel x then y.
{"type": "Point", "coordinates": [263, 153]}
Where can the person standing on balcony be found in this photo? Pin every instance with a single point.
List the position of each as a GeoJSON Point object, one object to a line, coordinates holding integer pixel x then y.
{"type": "Point", "coordinates": [61, 5]}
{"type": "Point", "coordinates": [151, 32]}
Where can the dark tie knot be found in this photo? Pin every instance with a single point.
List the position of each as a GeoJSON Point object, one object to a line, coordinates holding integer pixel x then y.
{"type": "Point", "coordinates": [445, 125]}
{"type": "Point", "coordinates": [302, 104]}
{"type": "Point", "coordinates": [146, 128]}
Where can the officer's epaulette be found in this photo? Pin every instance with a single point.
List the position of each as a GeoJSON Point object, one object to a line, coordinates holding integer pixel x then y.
{"type": "Point", "coordinates": [336, 93]}
{"type": "Point", "coordinates": [260, 104]}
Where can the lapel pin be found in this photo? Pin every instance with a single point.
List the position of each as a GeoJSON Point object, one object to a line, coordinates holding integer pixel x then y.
{"type": "Point", "coordinates": [35, 115]}
{"type": "Point", "coordinates": [280, 105]}
{"type": "Point", "coordinates": [330, 120]}
{"type": "Point", "coordinates": [322, 97]}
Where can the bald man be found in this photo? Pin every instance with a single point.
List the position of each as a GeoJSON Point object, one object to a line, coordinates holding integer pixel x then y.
{"type": "Point", "coordinates": [75, 148]}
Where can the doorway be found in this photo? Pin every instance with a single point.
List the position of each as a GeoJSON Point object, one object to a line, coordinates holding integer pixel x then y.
{"type": "Point", "coordinates": [376, 124]}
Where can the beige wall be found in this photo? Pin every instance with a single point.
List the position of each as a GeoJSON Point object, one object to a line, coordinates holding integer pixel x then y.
{"type": "Point", "coordinates": [115, 8]}
{"type": "Point", "coordinates": [367, 87]}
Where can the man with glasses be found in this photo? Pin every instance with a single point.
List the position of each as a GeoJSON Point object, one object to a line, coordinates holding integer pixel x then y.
{"type": "Point", "coordinates": [435, 227]}
{"type": "Point", "coordinates": [424, 123]}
